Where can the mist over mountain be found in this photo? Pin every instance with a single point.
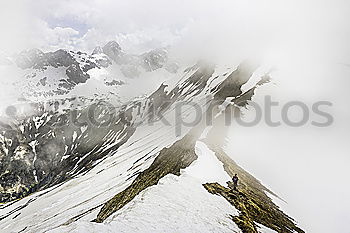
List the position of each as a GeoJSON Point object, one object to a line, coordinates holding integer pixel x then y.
{"type": "Point", "coordinates": [138, 116]}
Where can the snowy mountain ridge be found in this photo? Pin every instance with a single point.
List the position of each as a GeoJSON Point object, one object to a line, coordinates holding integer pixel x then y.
{"type": "Point", "coordinates": [135, 166]}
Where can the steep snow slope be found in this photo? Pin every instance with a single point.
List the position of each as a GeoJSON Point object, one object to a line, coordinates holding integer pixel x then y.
{"type": "Point", "coordinates": [103, 181]}
{"type": "Point", "coordinates": [156, 208]}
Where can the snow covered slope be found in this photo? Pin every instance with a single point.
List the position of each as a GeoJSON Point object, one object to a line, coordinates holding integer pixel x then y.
{"type": "Point", "coordinates": [146, 165]}
{"type": "Point", "coordinates": [202, 212]}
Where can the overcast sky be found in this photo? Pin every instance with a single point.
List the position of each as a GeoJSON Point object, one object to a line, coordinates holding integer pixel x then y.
{"type": "Point", "coordinates": [223, 27]}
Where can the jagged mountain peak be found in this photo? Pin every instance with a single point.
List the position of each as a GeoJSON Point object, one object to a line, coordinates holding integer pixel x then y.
{"type": "Point", "coordinates": [113, 50]}
{"type": "Point", "coordinates": [112, 45]}
{"type": "Point", "coordinates": [97, 50]}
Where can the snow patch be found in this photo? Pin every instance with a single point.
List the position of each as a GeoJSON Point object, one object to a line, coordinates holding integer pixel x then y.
{"type": "Point", "coordinates": [263, 229]}
{"type": "Point", "coordinates": [207, 168]}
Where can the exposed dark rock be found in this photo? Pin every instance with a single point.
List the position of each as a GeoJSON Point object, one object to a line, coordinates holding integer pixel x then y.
{"type": "Point", "coordinates": [76, 75]}
{"type": "Point", "coordinates": [43, 81]}
{"type": "Point", "coordinates": [114, 83]}
{"type": "Point", "coordinates": [254, 209]}
{"type": "Point", "coordinates": [232, 84]}
{"type": "Point", "coordinates": [58, 58]}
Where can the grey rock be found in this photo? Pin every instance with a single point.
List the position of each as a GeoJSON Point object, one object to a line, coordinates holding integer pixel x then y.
{"type": "Point", "coordinates": [113, 50]}
{"type": "Point", "coordinates": [154, 59]}
{"type": "Point", "coordinates": [97, 50]}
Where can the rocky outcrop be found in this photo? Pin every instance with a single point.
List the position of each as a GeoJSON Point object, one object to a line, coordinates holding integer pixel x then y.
{"type": "Point", "coordinates": [76, 75]}
{"type": "Point", "coordinates": [253, 209]}
{"type": "Point", "coordinates": [57, 59]}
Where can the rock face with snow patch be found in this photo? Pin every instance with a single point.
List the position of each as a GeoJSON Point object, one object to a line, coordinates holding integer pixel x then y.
{"type": "Point", "coordinates": [51, 147]}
